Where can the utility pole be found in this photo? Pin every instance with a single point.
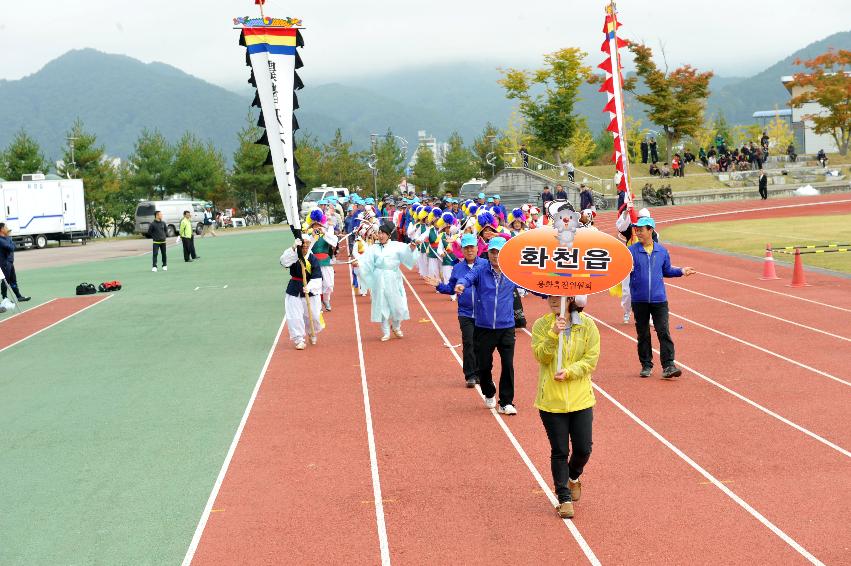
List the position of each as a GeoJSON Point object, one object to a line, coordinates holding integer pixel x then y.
{"type": "Point", "coordinates": [71, 140]}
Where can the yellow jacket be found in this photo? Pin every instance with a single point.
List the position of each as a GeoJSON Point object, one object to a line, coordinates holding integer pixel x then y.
{"type": "Point", "coordinates": [185, 228]}
{"type": "Point", "coordinates": [580, 352]}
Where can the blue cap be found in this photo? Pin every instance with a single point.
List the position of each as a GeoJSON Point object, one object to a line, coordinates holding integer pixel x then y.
{"type": "Point", "coordinates": [468, 240]}
{"type": "Point", "coordinates": [490, 199]}
{"type": "Point", "coordinates": [481, 195]}
{"type": "Point", "coordinates": [496, 243]}
{"type": "Point", "coordinates": [370, 200]}
{"type": "Point", "coordinates": [496, 197]}
{"type": "Point", "coordinates": [646, 221]}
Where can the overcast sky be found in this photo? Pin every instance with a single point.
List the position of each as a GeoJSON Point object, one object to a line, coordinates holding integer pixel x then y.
{"type": "Point", "coordinates": [344, 38]}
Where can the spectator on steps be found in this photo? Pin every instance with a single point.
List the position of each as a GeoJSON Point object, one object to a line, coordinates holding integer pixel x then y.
{"type": "Point", "coordinates": [546, 196]}
{"type": "Point", "coordinates": [561, 194]}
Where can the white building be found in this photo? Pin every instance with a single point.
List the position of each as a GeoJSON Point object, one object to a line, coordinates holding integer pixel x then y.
{"type": "Point", "coordinates": [806, 140]}
{"type": "Point", "coordinates": [438, 149]}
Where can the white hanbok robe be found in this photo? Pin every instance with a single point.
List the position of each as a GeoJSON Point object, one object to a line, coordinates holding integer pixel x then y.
{"type": "Point", "coordinates": [380, 271]}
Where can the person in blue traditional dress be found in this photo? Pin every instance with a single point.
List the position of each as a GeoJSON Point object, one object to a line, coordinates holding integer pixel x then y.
{"type": "Point", "coordinates": [380, 272]}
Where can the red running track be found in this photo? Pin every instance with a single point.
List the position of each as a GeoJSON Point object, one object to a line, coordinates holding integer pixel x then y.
{"type": "Point", "coordinates": [19, 327]}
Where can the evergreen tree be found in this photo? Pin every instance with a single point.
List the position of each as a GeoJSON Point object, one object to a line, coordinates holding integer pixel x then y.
{"type": "Point", "coordinates": [309, 155]}
{"type": "Point", "coordinates": [150, 166]}
{"type": "Point", "coordinates": [483, 146]}
{"type": "Point", "coordinates": [459, 164]}
{"type": "Point", "coordinates": [198, 169]}
{"type": "Point", "coordinates": [22, 156]}
{"type": "Point", "coordinates": [390, 163]}
{"type": "Point", "coordinates": [343, 167]}
{"type": "Point", "coordinates": [426, 176]}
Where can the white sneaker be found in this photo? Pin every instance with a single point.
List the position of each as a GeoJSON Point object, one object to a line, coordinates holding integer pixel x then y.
{"type": "Point", "coordinates": [154, 269]}
{"type": "Point", "coordinates": [453, 298]}
{"type": "Point", "coordinates": [507, 410]}
{"type": "Point", "coordinates": [385, 338]}
{"type": "Point", "coordinates": [490, 402]}
{"type": "Point", "coordinates": [165, 268]}
{"type": "Point", "coordinates": [398, 333]}
{"type": "Point", "coordinates": [300, 346]}
{"type": "Point", "coordinates": [626, 318]}
{"type": "Point", "coordinates": [313, 339]}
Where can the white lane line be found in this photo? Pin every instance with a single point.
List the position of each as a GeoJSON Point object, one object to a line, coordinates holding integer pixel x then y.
{"type": "Point", "coordinates": [73, 314]}
{"type": "Point", "coordinates": [583, 544]}
{"type": "Point", "coordinates": [738, 306]}
{"type": "Point", "coordinates": [712, 479]}
{"type": "Point", "coordinates": [741, 397]}
{"type": "Point", "coordinates": [205, 515]}
{"type": "Point", "coordinates": [383, 543]}
{"type": "Point", "coordinates": [20, 312]}
{"type": "Point", "coordinates": [764, 350]}
{"type": "Point", "coordinates": [787, 295]}
{"type": "Point", "coordinates": [759, 209]}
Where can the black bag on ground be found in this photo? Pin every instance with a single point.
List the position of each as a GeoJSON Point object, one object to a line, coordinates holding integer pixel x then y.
{"type": "Point", "coordinates": [86, 289]}
{"type": "Point", "coordinates": [519, 316]}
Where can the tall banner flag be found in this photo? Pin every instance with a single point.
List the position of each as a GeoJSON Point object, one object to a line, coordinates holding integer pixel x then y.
{"type": "Point", "coordinates": [613, 87]}
{"type": "Point", "coordinates": [271, 52]}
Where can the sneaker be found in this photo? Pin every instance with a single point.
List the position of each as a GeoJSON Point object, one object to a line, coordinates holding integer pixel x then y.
{"type": "Point", "coordinates": [165, 268]}
{"type": "Point", "coordinates": [565, 510]}
{"type": "Point", "coordinates": [300, 346]}
{"type": "Point", "coordinates": [575, 489]}
{"type": "Point", "coordinates": [507, 410]}
{"type": "Point", "coordinates": [470, 383]}
{"type": "Point", "coordinates": [478, 381]}
{"type": "Point", "coordinates": [385, 338]}
{"type": "Point", "coordinates": [490, 402]}
{"type": "Point", "coordinates": [626, 318]}
{"type": "Point", "coordinates": [453, 298]}
{"type": "Point", "coordinates": [671, 372]}
{"type": "Point", "coordinates": [313, 339]}
{"type": "Point", "coordinates": [154, 269]}
{"type": "Point", "coordinates": [24, 299]}
{"type": "Point", "coordinates": [645, 372]}
{"type": "Point", "coordinates": [398, 333]}
{"type": "Point", "coordinates": [328, 306]}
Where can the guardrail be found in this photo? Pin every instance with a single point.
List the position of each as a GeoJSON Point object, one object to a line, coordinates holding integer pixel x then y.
{"type": "Point", "coordinates": [559, 173]}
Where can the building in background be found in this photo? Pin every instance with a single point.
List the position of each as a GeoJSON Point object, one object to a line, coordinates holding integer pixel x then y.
{"type": "Point", "coordinates": [438, 149]}
{"type": "Point", "coordinates": [806, 140]}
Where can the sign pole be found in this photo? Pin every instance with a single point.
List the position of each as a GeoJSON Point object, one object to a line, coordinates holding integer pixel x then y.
{"type": "Point", "coordinates": [560, 334]}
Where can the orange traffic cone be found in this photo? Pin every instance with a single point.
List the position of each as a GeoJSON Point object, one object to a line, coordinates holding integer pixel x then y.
{"type": "Point", "coordinates": [798, 278]}
{"type": "Point", "coordinates": [768, 271]}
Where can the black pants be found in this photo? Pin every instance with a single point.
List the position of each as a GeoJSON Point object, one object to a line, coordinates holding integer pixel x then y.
{"type": "Point", "coordinates": [763, 192]}
{"type": "Point", "coordinates": [468, 328]}
{"type": "Point", "coordinates": [560, 427]}
{"type": "Point", "coordinates": [502, 340]}
{"type": "Point", "coordinates": [159, 247]}
{"type": "Point", "coordinates": [10, 281]}
{"type": "Point", "coordinates": [659, 312]}
{"type": "Point", "coordinates": [188, 248]}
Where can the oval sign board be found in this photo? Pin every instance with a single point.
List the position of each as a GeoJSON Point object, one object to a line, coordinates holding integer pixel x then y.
{"type": "Point", "coordinates": [535, 260]}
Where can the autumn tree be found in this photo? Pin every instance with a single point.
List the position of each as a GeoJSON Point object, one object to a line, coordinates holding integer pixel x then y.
{"type": "Point", "coordinates": [22, 156]}
{"type": "Point", "coordinates": [675, 99]}
{"type": "Point", "coordinates": [827, 83]}
{"type": "Point", "coordinates": [549, 114]}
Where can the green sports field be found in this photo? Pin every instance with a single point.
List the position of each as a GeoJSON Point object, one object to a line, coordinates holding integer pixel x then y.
{"type": "Point", "coordinates": [116, 421]}
{"type": "Point", "coordinates": [750, 237]}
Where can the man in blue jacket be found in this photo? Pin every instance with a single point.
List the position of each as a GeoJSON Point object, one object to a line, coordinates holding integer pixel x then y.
{"type": "Point", "coordinates": [650, 265]}
{"type": "Point", "coordinates": [494, 314]}
{"type": "Point", "coordinates": [7, 264]}
{"type": "Point", "coordinates": [466, 303]}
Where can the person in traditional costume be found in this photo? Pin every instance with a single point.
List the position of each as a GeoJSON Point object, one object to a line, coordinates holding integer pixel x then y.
{"type": "Point", "coordinates": [446, 224]}
{"type": "Point", "coordinates": [323, 246]}
{"type": "Point", "coordinates": [302, 300]}
{"type": "Point", "coordinates": [516, 222]}
{"type": "Point", "coordinates": [534, 217]}
{"type": "Point", "coordinates": [380, 272]}
{"type": "Point", "coordinates": [433, 251]}
{"type": "Point", "coordinates": [364, 237]}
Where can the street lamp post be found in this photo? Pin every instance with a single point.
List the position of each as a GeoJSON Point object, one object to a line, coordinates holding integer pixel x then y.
{"type": "Point", "coordinates": [372, 163]}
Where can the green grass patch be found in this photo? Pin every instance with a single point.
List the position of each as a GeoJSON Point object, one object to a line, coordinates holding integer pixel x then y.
{"type": "Point", "coordinates": [116, 422]}
{"type": "Point", "coordinates": [749, 237]}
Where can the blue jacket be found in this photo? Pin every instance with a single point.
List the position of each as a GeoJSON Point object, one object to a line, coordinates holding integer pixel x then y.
{"type": "Point", "coordinates": [494, 303]}
{"type": "Point", "coordinates": [645, 281]}
{"type": "Point", "coordinates": [467, 299]}
{"type": "Point", "coordinates": [7, 253]}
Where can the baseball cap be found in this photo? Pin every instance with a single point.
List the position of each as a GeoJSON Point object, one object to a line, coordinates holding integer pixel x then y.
{"type": "Point", "coordinates": [481, 195]}
{"type": "Point", "coordinates": [496, 197]}
{"type": "Point", "coordinates": [496, 243]}
{"type": "Point", "coordinates": [646, 221]}
{"type": "Point", "coordinates": [468, 240]}
{"type": "Point", "coordinates": [490, 199]}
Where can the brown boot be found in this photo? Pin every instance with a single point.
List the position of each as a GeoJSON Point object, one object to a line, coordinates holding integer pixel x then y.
{"type": "Point", "coordinates": [575, 489]}
{"type": "Point", "coordinates": [565, 510]}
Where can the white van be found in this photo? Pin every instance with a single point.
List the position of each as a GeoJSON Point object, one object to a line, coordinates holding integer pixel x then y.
{"type": "Point", "coordinates": [315, 195]}
{"type": "Point", "coordinates": [172, 214]}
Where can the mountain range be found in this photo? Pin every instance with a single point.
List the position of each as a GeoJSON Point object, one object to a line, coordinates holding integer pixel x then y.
{"type": "Point", "coordinates": [117, 96]}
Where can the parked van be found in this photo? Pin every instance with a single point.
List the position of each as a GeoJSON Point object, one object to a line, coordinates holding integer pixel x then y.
{"type": "Point", "coordinates": [315, 195]}
{"type": "Point", "coordinates": [472, 188]}
{"type": "Point", "coordinates": [172, 214]}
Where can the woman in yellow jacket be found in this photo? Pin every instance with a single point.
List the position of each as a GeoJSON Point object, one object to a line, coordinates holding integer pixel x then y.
{"type": "Point", "coordinates": [565, 398]}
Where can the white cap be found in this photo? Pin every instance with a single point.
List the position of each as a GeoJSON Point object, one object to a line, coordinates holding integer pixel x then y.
{"type": "Point", "coordinates": [644, 212]}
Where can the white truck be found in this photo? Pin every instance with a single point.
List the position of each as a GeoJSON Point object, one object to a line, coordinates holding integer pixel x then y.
{"type": "Point", "coordinates": [39, 208]}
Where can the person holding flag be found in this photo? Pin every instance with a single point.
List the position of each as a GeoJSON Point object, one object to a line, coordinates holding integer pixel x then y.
{"type": "Point", "coordinates": [301, 301]}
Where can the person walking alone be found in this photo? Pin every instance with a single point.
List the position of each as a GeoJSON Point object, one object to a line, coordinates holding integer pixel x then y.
{"type": "Point", "coordinates": [209, 223]}
{"type": "Point", "coordinates": [158, 233]}
{"type": "Point", "coordinates": [565, 397]}
{"type": "Point", "coordinates": [494, 314]}
{"type": "Point", "coordinates": [7, 265]}
{"type": "Point", "coordinates": [650, 264]}
{"type": "Point", "coordinates": [763, 185]}
{"type": "Point", "coordinates": [187, 237]}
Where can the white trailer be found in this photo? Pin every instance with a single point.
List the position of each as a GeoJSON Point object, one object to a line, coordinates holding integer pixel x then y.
{"type": "Point", "coordinates": [38, 209]}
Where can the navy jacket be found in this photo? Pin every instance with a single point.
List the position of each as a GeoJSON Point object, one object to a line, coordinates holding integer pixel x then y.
{"type": "Point", "coordinates": [7, 253]}
{"type": "Point", "coordinates": [467, 300]}
{"type": "Point", "coordinates": [494, 302]}
{"type": "Point", "coordinates": [295, 287]}
{"type": "Point", "coordinates": [646, 283]}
